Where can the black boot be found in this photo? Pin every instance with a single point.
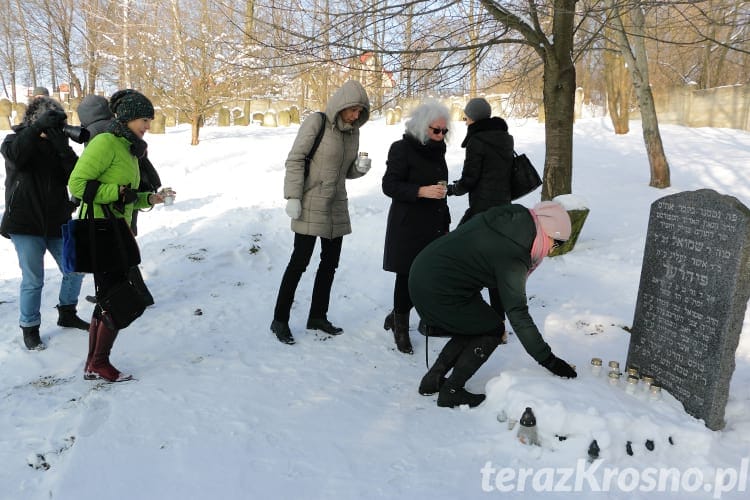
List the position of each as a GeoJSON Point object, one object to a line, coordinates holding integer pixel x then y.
{"type": "Point", "coordinates": [324, 325]}
{"type": "Point", "coordinates": [388, 322]}
{"type": "Point", "coordinates": [282, 331]}
{"type": "Point", "coordinates": [474, 354]}
{"type": "Point", "coordinates": [67, 318]}
{"type": "Point", "coordinates": [401, 332]}
{"type": "Point", "coordinates": [31, 338]}
{"type": "Point", "coordinates": [434, 379]}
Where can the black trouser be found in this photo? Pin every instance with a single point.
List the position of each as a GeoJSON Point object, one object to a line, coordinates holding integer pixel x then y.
{"type": "Point", "coordinates": [402, 303]}
{"type": "Point", "coordinates": [329, 260]}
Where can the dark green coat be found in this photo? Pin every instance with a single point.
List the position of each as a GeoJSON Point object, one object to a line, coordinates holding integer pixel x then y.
{"type": "Point", "coordinates": [491, 250]}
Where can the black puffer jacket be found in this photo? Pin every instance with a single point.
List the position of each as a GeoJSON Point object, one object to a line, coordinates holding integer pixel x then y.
{"type": "Point", "coordinates": [413, 222]}
{"type": "Point", "coordinates": [487, 167]}
{"type": "Point", "coordinates": [36, 179]}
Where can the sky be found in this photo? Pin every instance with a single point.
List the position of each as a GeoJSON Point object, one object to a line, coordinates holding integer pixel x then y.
{"type": "Point", "coordinates": [221, 409]}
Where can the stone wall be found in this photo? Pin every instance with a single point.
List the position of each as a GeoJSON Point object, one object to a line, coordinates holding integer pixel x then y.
{"type": "Point", "coordinates": [721, 107]}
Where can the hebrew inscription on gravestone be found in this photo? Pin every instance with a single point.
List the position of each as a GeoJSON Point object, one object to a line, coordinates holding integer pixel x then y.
{"type": "Point", "coordinates": [693, 292]}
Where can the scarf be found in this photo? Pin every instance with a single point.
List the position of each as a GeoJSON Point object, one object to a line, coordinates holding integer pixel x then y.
{"type": "Point", "coordinates": [541, 246]}
{"type": "Point", "coordinates": [137, 145]}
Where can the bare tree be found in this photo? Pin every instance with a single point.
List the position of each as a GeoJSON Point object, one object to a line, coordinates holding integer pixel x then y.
{"type": "Point", "coordinates": [629, 22]}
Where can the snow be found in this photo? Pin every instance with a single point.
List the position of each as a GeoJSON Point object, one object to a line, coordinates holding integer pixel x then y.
{"type": "Point", "coordinates": [221, 409]}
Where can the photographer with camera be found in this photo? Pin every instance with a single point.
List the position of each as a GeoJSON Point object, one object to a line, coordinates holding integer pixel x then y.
{"type": "Point", "coordinates": [38, 163]}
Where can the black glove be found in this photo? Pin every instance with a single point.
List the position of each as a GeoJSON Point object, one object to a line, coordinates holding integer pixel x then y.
{"type": "Point", "coordinates": [50, 119]}
{"type": "Point", "coordinates": [559, 367]}
{"type": "Point", "coordinates": [58, 139]}
{"type": "Point", "coordinates": [127, 195]}
{"type": "Point", "coordinates": [451, 189]}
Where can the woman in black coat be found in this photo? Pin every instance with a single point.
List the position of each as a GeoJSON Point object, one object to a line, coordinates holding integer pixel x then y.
{"type": "Point", "coordinates": [487, 168]}
{"type": "Point", "coordinates": [419, 211]}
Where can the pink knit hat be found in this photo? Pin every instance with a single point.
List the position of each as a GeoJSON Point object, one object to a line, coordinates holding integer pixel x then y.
{"type": "Point", "coordinates": [554, 219]}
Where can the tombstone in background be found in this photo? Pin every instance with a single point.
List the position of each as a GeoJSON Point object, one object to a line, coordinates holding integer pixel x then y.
{"type": "Point", "coordinates": [72, 109]}
{"type": "Point", "coordinates": [258, 118]}
{"type": "Point", "coordinates": [20, 112]}
{"type": "Point", "coordinates": [578, 211]}
{"type": "Point", "coordinates": [457, 113]}
{"type": "Point", "coordinates": [6, 108]}
{"type": "Point", "coordinates": [693, 292]}
{"type": "Point", "coordinates": [238, 118]}
{"type": "Point", "coordinates": [294, 115]}
{"type": "Point", "coordinates": [223, 120]}
{"type": "Point", "coordinates": [285, 118]}
{"type": "Point", "coordinates": [399, 113]}
{"type": "Point", "coordinates": [170, 117]}
{"type": "Point", "coordinates": [578, 107]}
{"type": "Point", "coordinates": [269, 119]}
{"type": "Point", "coordinates": [390, 116]}
{"type": "Point", "coordinates": [158, 124]}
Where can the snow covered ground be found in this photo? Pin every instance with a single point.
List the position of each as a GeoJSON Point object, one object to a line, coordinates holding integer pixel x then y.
{"type": "Point", "coordinates": [220, 409]}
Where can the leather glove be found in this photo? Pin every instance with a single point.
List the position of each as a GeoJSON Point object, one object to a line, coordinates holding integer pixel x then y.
{"type": "Point", "coordinates": [58, 139]}
{"type": "Point", "coordinates": [451, 189]}
{"type": "Point", "coordinates": [293, 208]}
{"type": "Point", "coordinates": [50, 119]}
{"type": "Point", "coordinates": [559, 367]}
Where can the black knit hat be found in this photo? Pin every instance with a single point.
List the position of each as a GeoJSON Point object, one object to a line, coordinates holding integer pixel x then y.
{"type": "Point", "coordinates": [129, 105]}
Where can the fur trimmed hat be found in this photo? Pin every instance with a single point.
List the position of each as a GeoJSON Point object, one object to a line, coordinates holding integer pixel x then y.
{"type": "Point", "coordinates": [478, 109]}
{"type": "Point", "coordinates": [37, 108]}
{"type": "Point", "coordinates": [128, 105]}
{"type": "Point", "coordinates": [554, 219]}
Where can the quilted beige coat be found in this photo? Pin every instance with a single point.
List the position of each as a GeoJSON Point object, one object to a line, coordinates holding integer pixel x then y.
{"type": "Point", "coordinates": [325, 207]}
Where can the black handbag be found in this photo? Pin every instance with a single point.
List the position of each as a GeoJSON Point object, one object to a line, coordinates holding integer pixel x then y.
{"type": "Point", "coordinates": [524, 177]}
{"type": "Point", "coordinates": [83, 237]}
{"type": "Point", "coordinates": [123, 304]}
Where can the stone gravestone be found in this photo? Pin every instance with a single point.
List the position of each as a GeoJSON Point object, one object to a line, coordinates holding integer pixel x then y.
{"type": "Point", "coordinates": [693, 292]}
{"type": "Point", "coordinates": [6, 108]}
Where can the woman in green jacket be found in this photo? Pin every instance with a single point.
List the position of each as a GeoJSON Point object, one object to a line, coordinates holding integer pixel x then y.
{"type": "Point", "coordinates": [109, 165]}
{"type": "Point", "coordinates": [498, 248]}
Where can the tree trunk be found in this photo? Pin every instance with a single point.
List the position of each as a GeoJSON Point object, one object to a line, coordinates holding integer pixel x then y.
{"type": "Point", "coordinates": [633, 49]}
{"type": "Point", "coordinates": [559, 106]}
{"type": "Point", "coordinates": [195, 127]}
{"type": "Point", "coordinates": [618, 84]}
{"type": "Point", "coordinates": [559, 103]}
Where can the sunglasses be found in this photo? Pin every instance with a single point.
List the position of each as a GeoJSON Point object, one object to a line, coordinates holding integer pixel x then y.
{"type": "Point", "coordinates": [439, 130]}
{"type": "Point", "coordinates": [557, 244]}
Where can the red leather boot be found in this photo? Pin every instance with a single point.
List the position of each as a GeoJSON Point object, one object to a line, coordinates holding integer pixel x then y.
{"type": "Point", "coordinates": [100, 367]}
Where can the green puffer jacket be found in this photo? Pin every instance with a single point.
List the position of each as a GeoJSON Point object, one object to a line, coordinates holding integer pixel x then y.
{"type": "Point", "coordinates": [490, 250]}
{"type": "Point", "coordinates": [107, 159]}
{"type": "Point", "coordinates": [325, 206]}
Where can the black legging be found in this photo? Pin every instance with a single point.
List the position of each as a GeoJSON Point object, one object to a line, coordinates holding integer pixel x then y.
{"type": "Point", "coordinates": [329, 260]}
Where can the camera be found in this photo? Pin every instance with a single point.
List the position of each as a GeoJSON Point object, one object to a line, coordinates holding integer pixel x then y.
{"type": "Point", "coordinates": [76, 134]}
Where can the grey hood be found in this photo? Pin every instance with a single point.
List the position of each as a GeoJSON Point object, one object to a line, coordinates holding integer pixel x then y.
{"type": "Point", "coordinates": [95, 114]}
{"type": "Point", "coordinates": [349, 94]}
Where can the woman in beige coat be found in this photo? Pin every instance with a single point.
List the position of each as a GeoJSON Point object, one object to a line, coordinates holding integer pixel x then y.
{"type": "Point", "coordinates": [317, 202]}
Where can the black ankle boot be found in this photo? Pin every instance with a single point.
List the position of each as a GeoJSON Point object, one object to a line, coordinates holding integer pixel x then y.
{"type": "Point", "coordinates": [324, 325]}
{"type": "Point", "coordinates": [67, 318]}
{"type": "Point", "coordinates": [450, 398]}
{"type": "Point", "coordinates": [401, 332]}
{"type": "Point", "coordinates": [282, 331]}
{"type": "Point", "coordinates": [31, 338]}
